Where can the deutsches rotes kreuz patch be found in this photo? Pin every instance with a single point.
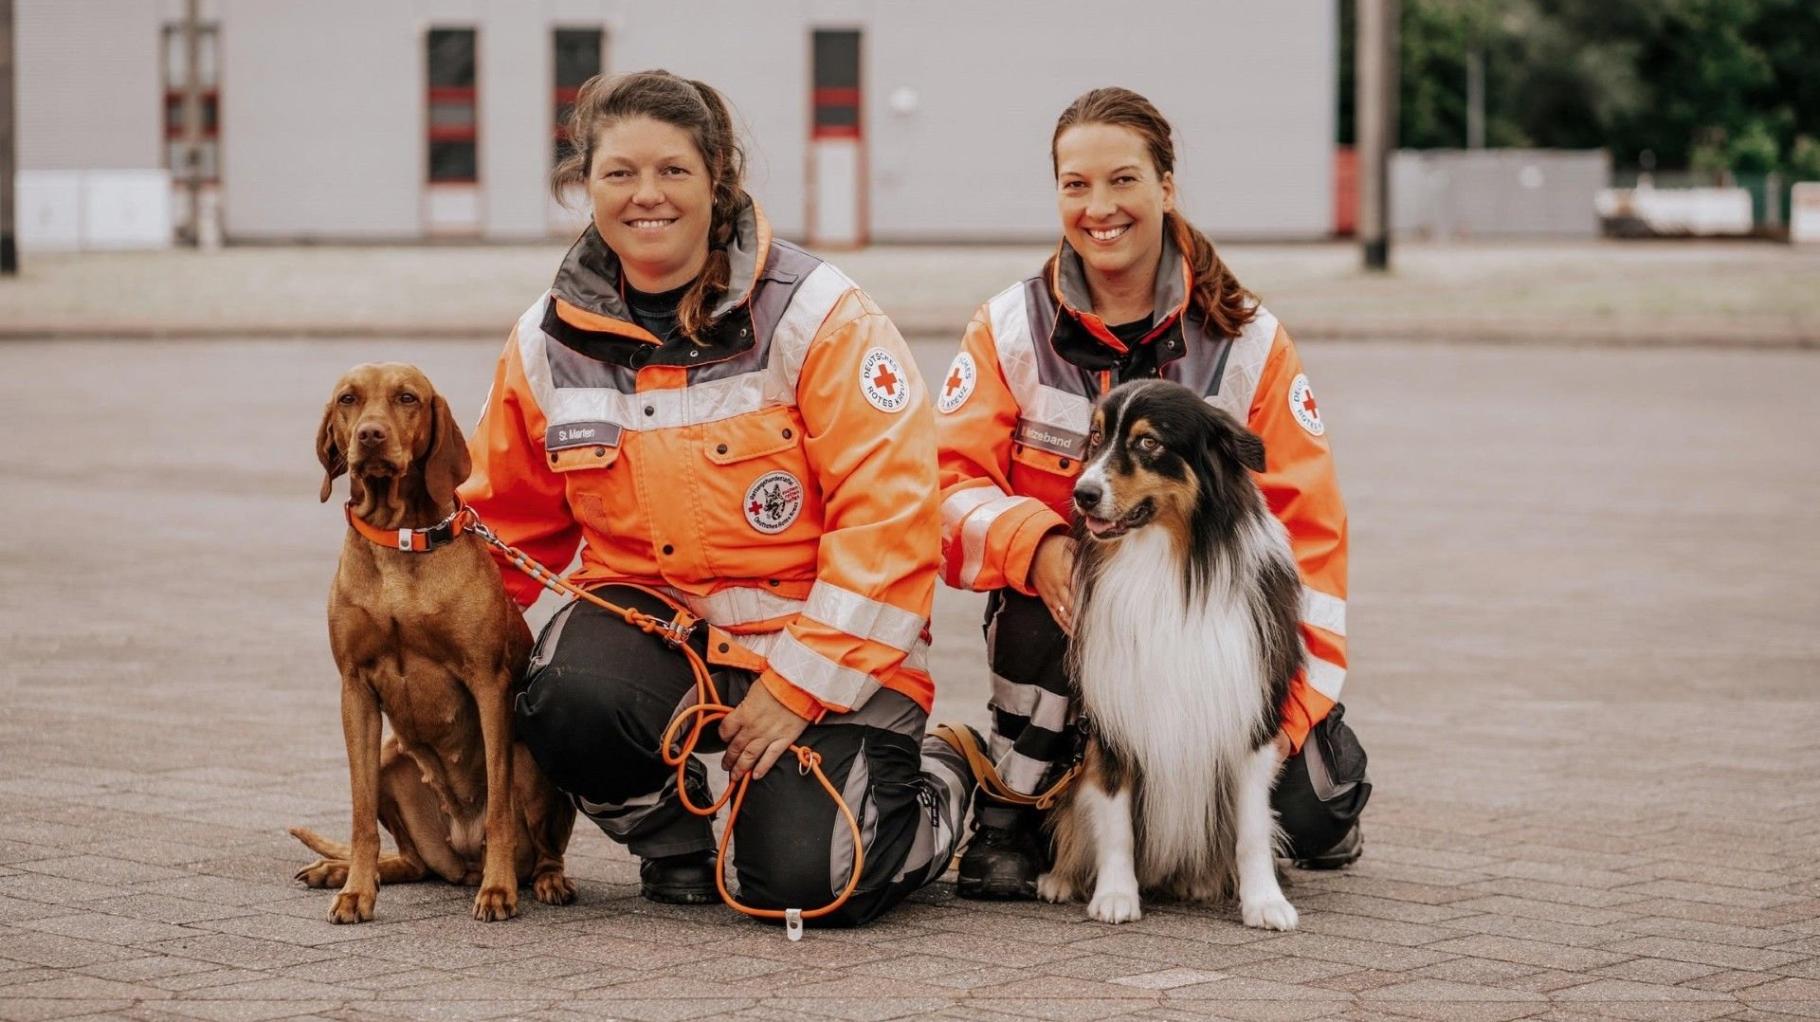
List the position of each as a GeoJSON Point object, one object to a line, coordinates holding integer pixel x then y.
{"type": "Point", "coordinates": [883, 382]}
{"type": "Point", "coordinates": [773, 502]}
{"type": "Point", "coordinates": [957, 386]}
{"type": "Point", "coordinates": [1302, 406]}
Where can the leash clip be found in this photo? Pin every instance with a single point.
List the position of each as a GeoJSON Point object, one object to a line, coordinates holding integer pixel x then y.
{"type": "Point", "coordinates": [676, 634]}
{"type": "Point", "coordinates": [793, 923]}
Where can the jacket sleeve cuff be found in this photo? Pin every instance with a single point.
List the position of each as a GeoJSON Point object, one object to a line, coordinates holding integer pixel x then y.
{"type": "Point", "coordinates": [794, 699]}
{"type": "Point", "coordinates": [1022, 550]}
{"type": "Point", "coordinates": [1296, 723]}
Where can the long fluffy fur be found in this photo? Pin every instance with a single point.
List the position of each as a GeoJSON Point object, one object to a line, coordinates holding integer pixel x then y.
{"type": "Point", "coordinates": [1184, 647]}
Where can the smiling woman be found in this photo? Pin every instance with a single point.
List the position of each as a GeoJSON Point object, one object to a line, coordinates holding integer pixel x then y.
{"type": "Point", "coordinates": [726, 424]}
{"type": "Point", "coordinates": [1133, 291]}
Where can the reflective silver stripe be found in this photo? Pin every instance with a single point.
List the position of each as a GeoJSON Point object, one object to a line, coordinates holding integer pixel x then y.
{"type": "Point", "coordinates": [1323, 611]}
{"type": "Point", "coordinates": [736, 605]}
{"type": "Point", "coordinates": [961, 503]}
{"type": "Point", "coordinates": [815, 298]}
{"type": "Point", "coordinates": [700, 402]}
{"type": "Point", "coordinates": [862, 616]}
{"type": "Point", "coordinates": [1021, 773]}
{"type": "Point", "coordinates": [973, 534]}
{"type": "Point", "coordinates": [1245, 366]}
{"type": "Point", "coordinates": [1017, 359]}
{"type": "Point", "coordinates": [1326, 678]}
{"type": "Point", "coordinates": [1045, 709]}
{"type": "Point", "coordinates": [998, 746]}
{"type": "Point", "coordinates": [819, 676]}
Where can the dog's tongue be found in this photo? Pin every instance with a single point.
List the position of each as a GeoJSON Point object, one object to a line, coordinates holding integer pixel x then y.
{"type": "Point", "coordinates": [1098, 526]}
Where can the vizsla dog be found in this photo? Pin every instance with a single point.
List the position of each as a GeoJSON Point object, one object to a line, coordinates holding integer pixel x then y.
{"type": "Point", "coordinates": [422, 630]}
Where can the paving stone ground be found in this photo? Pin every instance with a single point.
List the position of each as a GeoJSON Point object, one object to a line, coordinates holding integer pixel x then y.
{"type": "Point", "coordinates": [1583, 616]}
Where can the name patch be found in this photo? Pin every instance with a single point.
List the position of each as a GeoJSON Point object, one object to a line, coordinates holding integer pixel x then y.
{"type": "Point", "coordinates": [581, 434]}
{"type": "Point", "coordinates": [1066, 443]}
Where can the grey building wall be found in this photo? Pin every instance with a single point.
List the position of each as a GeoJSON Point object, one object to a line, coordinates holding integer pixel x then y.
{"type": "Point", "coordinates": [91, 92]}
{"type": "Point", "coordinates": [323, 108]}
{"type": "Point", "coordinates": [1249, 88]}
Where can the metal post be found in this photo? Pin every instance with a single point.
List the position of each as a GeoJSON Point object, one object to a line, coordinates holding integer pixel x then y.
{"type": "Point", "coordinates": [192, 119]}
{"type": "Point", "coordinates": [9, 242]}
{"type": "Point", "coordinates": [1375, 100]}
{"type": "Point", "coordinates": [1475, 99]}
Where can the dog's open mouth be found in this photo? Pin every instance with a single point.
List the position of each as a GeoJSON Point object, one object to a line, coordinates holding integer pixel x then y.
{"type": "Point", "coordinates": [1106, 528]}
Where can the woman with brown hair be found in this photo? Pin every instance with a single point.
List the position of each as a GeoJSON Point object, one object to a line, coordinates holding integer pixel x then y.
{"type": "Point", "coordinates": [725, 423]}
{"type": "Point", "coordinates": [1133, 291]}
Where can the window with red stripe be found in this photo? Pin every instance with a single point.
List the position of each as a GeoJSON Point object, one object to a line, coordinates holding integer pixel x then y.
{"type": "Point", "coordinates": [578, 58]}
{"type": "Point", "coordinates": [453, 121]}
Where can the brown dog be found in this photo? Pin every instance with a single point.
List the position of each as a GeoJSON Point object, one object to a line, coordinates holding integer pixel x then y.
{"type": "Point", "coordinates": [431, 639]}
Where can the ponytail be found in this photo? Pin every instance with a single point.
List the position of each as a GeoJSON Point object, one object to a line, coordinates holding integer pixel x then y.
{"type": "Point", "coordinates": [727, 170]}
{"type": "Point", "coordinates": [1222, 301]}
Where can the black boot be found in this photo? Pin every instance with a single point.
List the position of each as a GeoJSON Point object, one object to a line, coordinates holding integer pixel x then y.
{"type": "Point", "coordinates": [1001, 863]}
{"type": "Point", "coordinates": [1343, 853]}
{"type": "Point", "coordinates": [686, 879]}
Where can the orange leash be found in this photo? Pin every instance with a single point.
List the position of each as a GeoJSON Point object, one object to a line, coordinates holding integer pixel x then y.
{"type": "Point", "coordinates": [708, 709]}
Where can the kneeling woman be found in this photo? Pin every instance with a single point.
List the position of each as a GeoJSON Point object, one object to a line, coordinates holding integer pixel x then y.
{"type": "Point", "coordinates": [1133, 291]}
{"type": "Point", "coordinates": [724, 422]}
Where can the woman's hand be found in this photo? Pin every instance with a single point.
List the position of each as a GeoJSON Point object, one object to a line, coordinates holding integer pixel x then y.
{"type": "Point", "coordinates": [1052, 576]}
{"type": "Point", "coordinates": [758, 732]}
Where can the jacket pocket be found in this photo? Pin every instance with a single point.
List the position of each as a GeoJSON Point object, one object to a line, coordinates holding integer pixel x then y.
{"type": "Point", "coordinates": [757, 464]}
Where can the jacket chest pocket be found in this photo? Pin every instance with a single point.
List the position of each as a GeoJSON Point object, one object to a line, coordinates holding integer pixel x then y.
{"type": "Point", "coordinates": [757, 470]}
{"type": "Point", "coordinates": [583, 454]}
{"type": "Point", "coordinates": [1044, 474]}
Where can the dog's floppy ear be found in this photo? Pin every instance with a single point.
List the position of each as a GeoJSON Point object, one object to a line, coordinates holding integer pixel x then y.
{"type": "Point", "coordinates": [1235, 441]}
{"type": "Point", "coordinates": [1249, 448]}
{"type": "Point", "coordinates": [446, 466]}
{"type": "Point", "coordinates": [328, 451]}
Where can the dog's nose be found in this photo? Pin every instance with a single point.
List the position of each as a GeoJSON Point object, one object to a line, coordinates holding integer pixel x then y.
{"type": "Point", "coordinates": [1087, 495]}
{"type": "Point", "coordinates": [370, 434]}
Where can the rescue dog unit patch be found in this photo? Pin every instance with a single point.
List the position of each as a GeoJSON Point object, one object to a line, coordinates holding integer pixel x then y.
{"type": "Point", "coordinates": [1302, 406]}
{"type": "Point", "coordinates": [773, 502]}
{"type": "Point", "coordinates": [883, 382]}
{"type": "Point", "coordinates": [957, 386]}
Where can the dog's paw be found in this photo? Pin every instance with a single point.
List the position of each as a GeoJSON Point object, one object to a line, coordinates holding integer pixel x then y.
{"type": "Point", "coordinates": [353, 906]}
{"type": "Point", "coordinates": [1115, 906]}
{"type": "Point", "coordinates": [494, 904]}
{"type": "Point", "coordinates": [553, 888]}
{"type": "Point", "coordinates": [1274, 913]}
{"type": "Point", "coordinates": [1054, 889]}
{"type": "Point", "coordinates": [323, 873]}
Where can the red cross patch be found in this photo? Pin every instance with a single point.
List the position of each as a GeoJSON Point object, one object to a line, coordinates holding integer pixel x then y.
{"type": "Point", "coordinates": [882, 381]}
{"type": "Point", "coordinates": [1302, 406]}
{"type": "Point", "coordinates": [957, 386]}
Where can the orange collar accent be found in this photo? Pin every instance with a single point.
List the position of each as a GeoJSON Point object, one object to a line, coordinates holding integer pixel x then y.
{"type": "Point", "coordinates": [416, 541]}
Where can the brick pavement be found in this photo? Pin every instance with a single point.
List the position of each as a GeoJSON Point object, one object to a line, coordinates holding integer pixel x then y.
{"type": "Point", "coordinates": [1583, 612]}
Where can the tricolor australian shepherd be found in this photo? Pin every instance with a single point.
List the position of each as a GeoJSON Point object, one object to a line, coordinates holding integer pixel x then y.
{"type": "Point", "coordinates": [1184, 647]}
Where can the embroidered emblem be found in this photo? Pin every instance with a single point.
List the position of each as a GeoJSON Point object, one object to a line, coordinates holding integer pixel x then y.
{"type": "Point", "coordinates": [773, 502]}
{"type": "Point", "coordinates": [883, 382]}
{"type": "Point", "coordinates": [1302, 406]}
{"type": "Point", "coordinates": [957, 386]}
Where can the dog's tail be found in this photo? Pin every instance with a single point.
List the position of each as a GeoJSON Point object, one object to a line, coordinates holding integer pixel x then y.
{"type": "Point", "coordinates": [321, 845]}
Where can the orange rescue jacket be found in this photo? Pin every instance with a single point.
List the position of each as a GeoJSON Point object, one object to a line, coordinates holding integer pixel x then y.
{"type": "Point", "coordinates": [778, 478]}
{"type": "Point", "coordinates": [1016, 405]}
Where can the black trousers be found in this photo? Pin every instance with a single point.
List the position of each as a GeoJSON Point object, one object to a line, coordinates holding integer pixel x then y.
{"type": "Point", "coordinates": [592, 710]}
{"type": "Point", "coordinates": [1319, 793]}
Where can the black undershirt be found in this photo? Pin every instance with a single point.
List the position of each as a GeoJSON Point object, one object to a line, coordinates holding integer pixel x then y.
{"type": "Point", "coordinates": [1132, 332]}
{"type": "Point", "coordinates": [656, 312]}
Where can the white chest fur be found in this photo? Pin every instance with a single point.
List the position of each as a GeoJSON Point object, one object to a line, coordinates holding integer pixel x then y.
{"type": "Point", "coordinates": [1176, 685]}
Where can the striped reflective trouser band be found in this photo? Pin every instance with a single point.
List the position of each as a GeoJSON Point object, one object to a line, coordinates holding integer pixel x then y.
{"type": "Point", "coordinates": [1327, 613]}
{"type": "Point", "coordinates": [973, 511]}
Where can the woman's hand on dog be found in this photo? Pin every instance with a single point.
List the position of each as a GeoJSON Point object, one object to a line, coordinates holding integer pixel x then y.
{"type": "Point", "coordinates": [1052, 576]}
{"type": "Point", "coordinates": [758, 732]}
